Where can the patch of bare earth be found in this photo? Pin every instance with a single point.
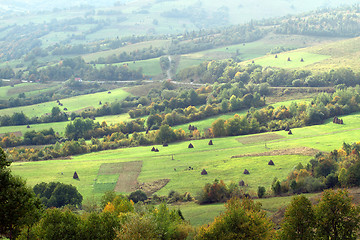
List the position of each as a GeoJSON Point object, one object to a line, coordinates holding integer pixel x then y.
{"type": "Point", "coordinates": [259, 138]}
{"type": "Point", "coordinates": [129, 172]}
{"type": "Point", "coordinates": [151, 187]}
{"type": "Point", "coordinates": [287, 151]}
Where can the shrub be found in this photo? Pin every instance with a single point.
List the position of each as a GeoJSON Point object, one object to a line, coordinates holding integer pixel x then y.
{"type": "Point", "coordinates": [261, 191]}
{"type": "Point", "coordinates": [137, 196]}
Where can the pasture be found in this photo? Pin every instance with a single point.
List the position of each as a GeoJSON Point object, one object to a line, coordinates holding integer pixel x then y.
{"type": "Point", "coordinates": [72, 104]}
{"type": "Point", "coordinates": [215, 159]}
{"type": "Point", "coordinates": [322, 57]}
{"type": "Point", "coordinates": [30, 89]}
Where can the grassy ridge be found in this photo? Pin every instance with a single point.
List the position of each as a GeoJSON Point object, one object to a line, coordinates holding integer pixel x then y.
{"type": "Point", "coordinates": [72, 103]}
{"type": "Point", "coordinates": [30, 89]}
{"type": "Point", "coordinates": [323, 57]}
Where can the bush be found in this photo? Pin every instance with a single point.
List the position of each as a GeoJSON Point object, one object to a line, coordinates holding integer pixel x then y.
{"type": "Point", "coordinates": [261, 191]}
{"type": "Point", "coordinates": [138, 196]}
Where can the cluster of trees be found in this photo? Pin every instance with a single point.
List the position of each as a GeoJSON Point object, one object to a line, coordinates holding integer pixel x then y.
{"type": "Point", "coordinates": [141, 54]}
{"type": "Point", "coordinates": [56, 194]}
{"type": "Point", "coordinates": [225, 71]}
{"type": "Point", "coordinates": [340, 22]}
{"type": "Point", "coordinates": [339, 168]}
{"type": "Point", "coordinates": [321, 108]}
{"type": "Point", "coordinates": [116, 140]}
{"type": "Point", "coordinates": [76, 67]}
{"type": "Point", "coordinates": [19, 118]}
{"type": "Point", "coordinates": [46, 136]}
{"type": "Point", "coordinates": [87, 128]}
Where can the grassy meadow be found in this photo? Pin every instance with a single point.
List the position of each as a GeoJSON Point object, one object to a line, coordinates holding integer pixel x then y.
{"type": "Point", "coordinates": [72, 104]}
{"type": "Point", "coordinates": [215, 159]}
{"type": "Point", "coordinates": [322, 57]}
{"type": "Point", "coordinates": [30, 89]}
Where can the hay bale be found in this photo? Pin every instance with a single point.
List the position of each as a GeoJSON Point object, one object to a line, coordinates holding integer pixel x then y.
{"type": "Point", "coordinates": [271, 163]}
{"type": "Point", "coordinates": [203, 172]}
{"type": "Point", "coordinates": [302, 60]}
{"type": "Point", "coordinates": [246, 171]}
{"type": "Point", "coordinates": [210, 142]}
{"type": "Point", "coordinates": [253, 61]}
{"type": "Point", "coordinates": [290, 133]}
{"type": "Point", "coordinates": [65, 109]}
{"type": "Point", "coordinates": [75, 176]}
{"type": "Point", "coordinates": [153, 149]}
{"type": "Point", "coordinates": [289, 59]}
{"type": "Point", "coordinates": [156, 150]}
{"type": "Point", "coordinates": [190, 146]}
{"type": "Point", "coordinates": [109, 92]}
{"type": "Point", "coordinates": [276, 56]}
{"type": "Point", "coordinates": [341, 121]}
{"type": "Point", "coordinates": [241, 183]}
{"type": "Point", "coordinates": [100, 103]}
{"type": "Point", "coordinates": [165, 145]}
{"type": "Point", "coordinates": [28, 126]}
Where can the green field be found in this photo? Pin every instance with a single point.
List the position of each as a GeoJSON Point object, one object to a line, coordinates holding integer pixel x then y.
{"type": "Point", "coordinates": [30, 89]}
{"type": "Point", "coordinates": [215, 159]}
{"type": "Point", "coordinates": [72, 103]}
{"type": "Point", "coordinates": [128, 48]}
{"type": "Point", "coordinates": [59, 127]}
{"type": "Point", "coordinates": [322, 57]}
{"type": "Point", "coordinates": [295, 59]}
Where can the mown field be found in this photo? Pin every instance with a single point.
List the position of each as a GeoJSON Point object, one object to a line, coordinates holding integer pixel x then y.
{"type": "Point", "coordinates": [215, 159]}
{"type": "Point", "coordinates": [72, 104]}
{"type": "Point", "coordinates": [323, 57]}
{"type": "Point", "coordinates": [30, 89]}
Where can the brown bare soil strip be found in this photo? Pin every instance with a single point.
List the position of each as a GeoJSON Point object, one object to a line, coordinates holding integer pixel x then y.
{"type": "Point", "coordinates": [129, 173]}
{"type": "Point", "coordinates": [17, 134]}
{"type": "Point", "coordinates": [151, 187]}
{"type": "Point", "coordinates": [259, 138]}
{"type": "Point", "coordinates": [288, 151]}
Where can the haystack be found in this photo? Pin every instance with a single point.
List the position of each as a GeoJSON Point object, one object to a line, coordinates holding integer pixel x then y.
{"type": "Point", "coordinates": [210, 142]}
{"type": "Point", "coordinates": [271, 163]}
{"type": "Point", "coordinates": [190, 146]}
{"type": "Point", "coordinates": [241, 183]}
{"type": "Point", "coordinates": [289, 132]}
{"type": "Point", "coordinates": [165, 145]}
{"type": "Point", "coordinates": [153, 149]}
{"type": "Point", "coordinates": [75, 176]}
{"type": "Point", "coordinates": [156, 150]}
{"type": "Point", "coordinates": [246, 171]}
{"type": "Point", "coordinates": [203, 172]}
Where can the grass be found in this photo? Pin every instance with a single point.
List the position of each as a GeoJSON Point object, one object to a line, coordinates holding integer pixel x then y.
{"type": "Point", "coordinates": [128, 48]}
{"type": "Point", "coordinates": [60, 126]}
{"type": "Point", "coordinates": [295, 59]}
{"type": "Point", "coordinates": [30, 89]}
{"type": "Point", "coordinates": [322, 57]}
{"type": "Point", "coordinates": [72, 104]}
{"type": "Point", "coordinates": [215, 159]}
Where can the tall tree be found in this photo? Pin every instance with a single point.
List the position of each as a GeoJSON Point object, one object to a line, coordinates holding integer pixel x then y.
{"type": "Point", "coordinates": [299, 220]}
{"type": "Point", "coordinates": [337, 217]}
{"type": "Point", "coordinates": [19, 206]}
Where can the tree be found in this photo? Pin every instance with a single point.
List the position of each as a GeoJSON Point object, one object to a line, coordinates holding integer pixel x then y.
{"type": "Point", "coordinates": [58, 194]}
{"type": "Point", "coordinates": [165, 134]}
{"type": "Point", "coordinates": [19, 207]}
{"type": "Point", "coordinates": [261, 191]}
{"type": "Point", "coordinates": [337, 217]}
{"type": "Point", "coordinates": [218, 128]}
{"type": "Point", "coordinates": [243, 219]}
{"type": "Point", "coordinates": [299, 220]}
{"type": "Point", "coordinates": [138, 196]}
